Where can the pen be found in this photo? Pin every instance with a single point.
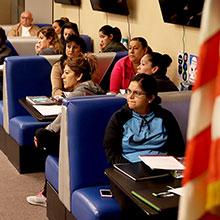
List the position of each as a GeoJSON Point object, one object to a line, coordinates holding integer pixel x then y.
{"type": "Point", "coordinates": [170, 187]}
{"type": "Point", "coordinates": [163, 194]}
{"type": "Point", "coordinates": [145, 201]}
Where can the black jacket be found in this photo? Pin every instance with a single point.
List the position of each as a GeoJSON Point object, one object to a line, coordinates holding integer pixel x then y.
{"type": "Point", "coordinates": [113, 134]}
{"type": "Point", "coordinates": [164, 84]}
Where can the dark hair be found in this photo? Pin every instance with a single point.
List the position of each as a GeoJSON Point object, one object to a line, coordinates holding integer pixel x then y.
{"type": "Point", "coordinates": [115, 31]}
{"type": "Point", "coordinates": [69, 25]}
{"type": "Point", "coordinates": [60, 22]}
{"type": "Point", "coordinates": [149, 85]}
{"type": "Point", "coordinates": [3, 36]}
{"type": "Point", "coordinates": [65, 19]}
{"type": "Point", "coordinates": [162, 61]}
{"type": "Point", "coordinates": [143, 42]}
{"type": "Point", "coordinates": [72, 38]}
{"type": "Point", "coordinates": [80, 65]}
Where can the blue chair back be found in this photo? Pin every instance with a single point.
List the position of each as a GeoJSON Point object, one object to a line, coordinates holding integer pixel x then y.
{"type": "Point", "coordinates": [87, 119]}
{"type": "Point", "coordinates": [26, 76]}
{"type": "Point", "coordinates": [9, 45]}
{"type": "Point", "coordinates": [88, 41]}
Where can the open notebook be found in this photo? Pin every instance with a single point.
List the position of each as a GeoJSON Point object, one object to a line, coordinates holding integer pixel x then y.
{"type": "Point", "coordinates": [140, 171]}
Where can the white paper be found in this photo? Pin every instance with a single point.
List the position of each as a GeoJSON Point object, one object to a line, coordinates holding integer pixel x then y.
{"type": "Point", "coordinates": [48, 110]}
{"type": "Point", "coordinates": [162, 162]}
{"type": "Point", "coordinates": [178, 191]}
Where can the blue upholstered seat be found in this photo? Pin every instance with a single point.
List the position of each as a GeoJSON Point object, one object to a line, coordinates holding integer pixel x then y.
{"type": "Point", "coordinates": [89, 205]}
{"type": "Point", "coordinates": [23, 76]}
{"type": "Point", "coordinates": [52, 170]}
{"type": "Point", "coordinates": [89, 42]}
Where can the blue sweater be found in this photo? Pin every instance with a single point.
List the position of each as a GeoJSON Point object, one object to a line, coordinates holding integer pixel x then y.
{"type": "Point", "coordinates": [143, 135]}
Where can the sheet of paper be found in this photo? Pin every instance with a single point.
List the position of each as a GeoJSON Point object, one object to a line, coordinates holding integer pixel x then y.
{"type": "Point", "coordinates": [178, 191]}
{"type": "Point", "coordinates": [162, 162]}
{"type": "Point", "coordinates": [48, 110]}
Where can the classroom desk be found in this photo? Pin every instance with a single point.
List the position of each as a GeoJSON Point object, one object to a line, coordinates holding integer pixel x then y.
{"type": "Point", "coordinates": [29, 107]}
{"type": "Point", "coordinates": [122, 186]}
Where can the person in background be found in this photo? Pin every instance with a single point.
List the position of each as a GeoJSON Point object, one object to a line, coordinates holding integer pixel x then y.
{"type": "Point", "coordinates": [110, 39]}
{"type": "Point", "coordinates": [24, 28]}
{"type": "Point", "coordinates": [48, 42]}
{"type": "Point", "coordinates": [156, 64]}
{"type": "Point", "coordinates": [126, 67]}
{"type": "Point", "coordinates": [142, 126]}
{"type": "Point", "coordinates": [69, 28]}
{"type": "Point", "coordinates": [77, 78]}
{"type": "Point", "coordinates": [4, 50]}
{"type": "Point", "coordinates": [57, 25]}
{"type": "Point", "coordinates": [73, 48]}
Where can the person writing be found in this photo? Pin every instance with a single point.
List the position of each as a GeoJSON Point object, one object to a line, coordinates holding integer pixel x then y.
{"type": "Point", "coordinates": [77, 78]}
{"type": "Point", "coordinates": [156, 64]}
{"type": "Point", "coordinates": [24, 28]}
{"type": "Point", "coordinates": [110, 39]}
{"type": "Point", "coordinates": [142, 126]}
{"type": "Point", "coordinates": [126, 67]}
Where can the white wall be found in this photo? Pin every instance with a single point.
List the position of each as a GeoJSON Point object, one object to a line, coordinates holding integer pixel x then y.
{"type": "Point", "coordinates": [42, 10]}
{"type": "Point", "coordinates": [5, 12]}
{"type": "Point", "coordinates": [145, 20]}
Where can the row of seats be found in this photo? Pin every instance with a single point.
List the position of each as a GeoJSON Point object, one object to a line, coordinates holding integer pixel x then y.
{"type": "Point", "coordinates": [74, 179]}
{"type": "Point", "coordinates": [28, 76]}
{"type": "Point", "coordinates": [24, 46]}
{"type": "Point", "coordinates": [77, 175]}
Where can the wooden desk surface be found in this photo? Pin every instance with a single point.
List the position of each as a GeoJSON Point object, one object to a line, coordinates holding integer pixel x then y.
{"type": "Point", "coordinates": [126, 185]}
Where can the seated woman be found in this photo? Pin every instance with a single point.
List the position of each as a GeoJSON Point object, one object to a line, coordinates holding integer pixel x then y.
{"type": "Point", "coordinates": [76, 77]}
{"type": "Point", "coordinates": [126, 67]}
{"type": "Point", "coordinates": [57, 25]}
{"type": "Point", "coordinates": [142, 126]}
{"type": "Point", "coordinates": [73, 47]}
{"type": "Point", "coordinates": [69, 28]}
{"type": "Point", "coordinates": [156, 64]}
{"type": "Point", "coordinates": [4, 50]}
{"type": "Point", "coordinates": [110, 39]}
{"type": "Point", "coordinates": [48, 42]}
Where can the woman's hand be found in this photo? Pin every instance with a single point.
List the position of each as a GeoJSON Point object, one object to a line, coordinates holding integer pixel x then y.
{"type": "Point", "coordinates": [35, 141]}
{"type": "Point", "coordinates": [37, 48]}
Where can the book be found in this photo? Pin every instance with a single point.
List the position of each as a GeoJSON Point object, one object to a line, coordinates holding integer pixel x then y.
{"type": "Point", "coordinates": [40, 100]}
{"type": "Point", "coordinates": [139, 171]}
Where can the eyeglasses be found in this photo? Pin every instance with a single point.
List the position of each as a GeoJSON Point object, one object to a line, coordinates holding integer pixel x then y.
{"type": "Point", "coordinates": [135, 93]}
{"type": "Point", "coordinates": [28, 18]}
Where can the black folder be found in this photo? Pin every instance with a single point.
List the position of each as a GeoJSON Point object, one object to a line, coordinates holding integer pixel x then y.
{"type": "Point", "coordinates": [140, 171]}
{"type": "Point", "coordinates": [160, 204]}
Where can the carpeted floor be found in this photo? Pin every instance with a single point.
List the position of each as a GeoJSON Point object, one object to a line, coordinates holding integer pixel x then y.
{"type": "Point", "coordinates": [14, 188]}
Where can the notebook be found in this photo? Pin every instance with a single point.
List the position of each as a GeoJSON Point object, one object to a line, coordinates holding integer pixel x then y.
{"type": "Point", "coordinates": [140, 171]}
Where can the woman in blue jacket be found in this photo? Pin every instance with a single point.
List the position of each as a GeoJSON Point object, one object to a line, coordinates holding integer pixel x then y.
{"type": "Point", "coordinates": [142, 126]}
